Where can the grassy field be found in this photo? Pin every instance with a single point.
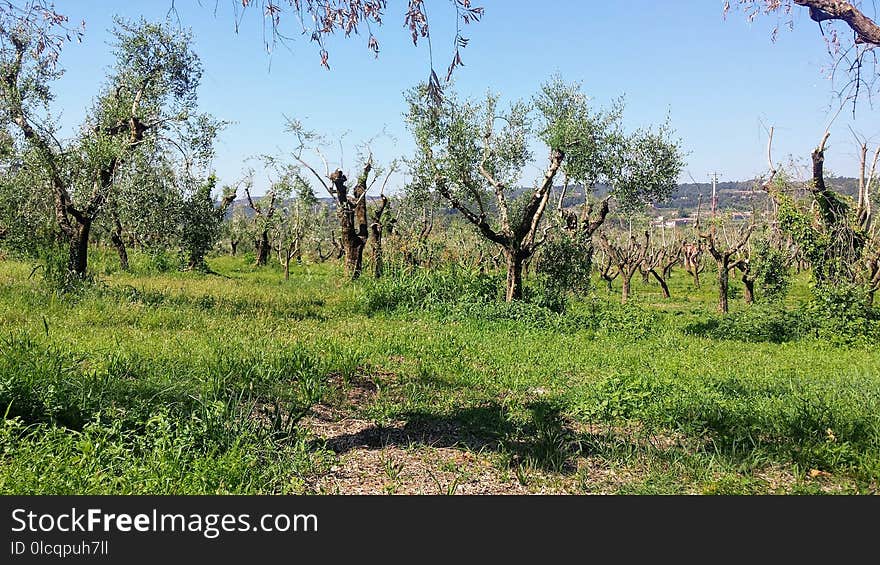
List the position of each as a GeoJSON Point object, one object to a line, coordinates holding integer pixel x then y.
{"type": "Point", "coordinates": [240, 382]}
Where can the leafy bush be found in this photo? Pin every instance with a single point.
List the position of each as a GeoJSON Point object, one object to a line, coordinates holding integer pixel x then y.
{"type": "Point", "coordinates": [547, 293]}
{"type": "Point", "coordinates": [842, 315]}
{"type": "Point", "coordinates": [163, 261]}
{"type": "Point", "coordinates": [771, 271]}
{"type": "Point", "coordinates": [565, 266]}
{"type": "Point", "coordinates": [759, 323]}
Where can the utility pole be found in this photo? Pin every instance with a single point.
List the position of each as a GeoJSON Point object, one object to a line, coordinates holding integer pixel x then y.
{"type": "Point", "coordinates": [714, 177]}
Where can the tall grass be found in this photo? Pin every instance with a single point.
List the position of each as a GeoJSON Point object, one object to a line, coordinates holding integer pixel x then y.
{"type": "Point", "coordinates": [152, 382]}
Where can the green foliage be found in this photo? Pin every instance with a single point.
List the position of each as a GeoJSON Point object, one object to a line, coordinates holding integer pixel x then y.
{"type": "Point", "coordinates": [841, 314]}
{"type": "Point", "coordinates": [565, 267]}
{"type": "Point", "coordinates": [403, 291]}
{"type": "Point", "coordinates": [630, 321]}
{"type": "Point", "coordinates": [759, 323]}
{"type": "Point", "coordinates": [202, 223]}
{"type": "Point", "coordinates": [836, 314]}
{"type": "Point", "coordinates": [239, 406]}
{"type": "Point", "coordinates": [163, 261]}
{"type": "Point", "coordinates": [26, 219]}
{"type": "Point", "coordinates": [455, 139]}
{"type": "Point", "coordinates": [55, 273]}
{"type": "Point", "coordinates": [831, 239]}
{"type": "Point", "coordinates": [771, 271]}
{"type": "Point", "coordinates": [475, 298]}
{"type": "Point", "coordinates": [814, 244]}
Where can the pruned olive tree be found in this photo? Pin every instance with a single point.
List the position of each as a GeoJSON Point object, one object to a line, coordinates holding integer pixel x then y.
{"type": "Point", "coordinates": [264, 210]}
{"type": "Point", "coordinates": [350, 202]}
{"type": "Point", "coordinates": [381, 223]}
{"type": "Point", "coordinates": [660, 258]}
{"type": "Point", "coordinates": [627, 254]}
{"type": "Point", "coordinates": [726, 248]}
{"type": "Point", "coordinates": [351, 212]}
{"type": "Point", "coordinates": [692, 259]}
{"type": "Point", "coordinates": [473, 154]}
{"type": "Point", "coordinates": [836, 234]}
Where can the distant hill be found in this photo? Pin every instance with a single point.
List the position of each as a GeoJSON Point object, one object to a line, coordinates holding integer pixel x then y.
{"type": "Point", "coordinates": [732, 195]}
{"type": "Point", "coordinates": [739, 195]}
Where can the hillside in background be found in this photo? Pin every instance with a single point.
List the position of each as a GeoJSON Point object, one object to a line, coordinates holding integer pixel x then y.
{"type": "Point", "coordinates": [739, 196]}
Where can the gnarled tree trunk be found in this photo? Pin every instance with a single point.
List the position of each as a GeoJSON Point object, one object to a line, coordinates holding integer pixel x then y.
{"type": "Point", "coordinates": [723, 285]}
{"type": "Point", "coordinates": [377, 228]}
{"type": "Point", "coordinates": [78, 258]}
{"type": "Point", "coordinates": [352, 214]}
{"type": "Point", "coordinates": [119, 243]}
{"type": "Point", "coordinates": [514, 285]}
{"type": "Point", "coordinates": [263, 248]}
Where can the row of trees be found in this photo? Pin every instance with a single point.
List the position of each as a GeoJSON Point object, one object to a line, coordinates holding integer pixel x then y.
{"type": "Point", "coordinates": [137, 169]}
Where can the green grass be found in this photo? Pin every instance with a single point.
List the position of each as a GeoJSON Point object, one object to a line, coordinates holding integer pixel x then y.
{"type": "Point", "coordinates": [154, 382]}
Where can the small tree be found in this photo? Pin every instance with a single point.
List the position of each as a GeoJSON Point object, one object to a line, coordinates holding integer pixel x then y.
{"type": "Point", "coordinates": [627, 256]}
{"type": "Point", "coordinates": [380, 224]}
{"type": "Point", "coordinates": [607, 269]}
{"type": "Point", "coordinates": [297, 217]}
{"type": "Point", "coordinates": [692, 259]}
{"type": "Point", "coordinates": [202, 221]}
{"type": "Point", "coordinates": [659, 260]}
{"type": "Point", "coordinates": [264, 220]}
{"type": "Point", "coordinates": [835, 234]}
{"type": "Point", "coordinates": [725, 249]}
{"type": "Point", "coordinates": [351, 203]}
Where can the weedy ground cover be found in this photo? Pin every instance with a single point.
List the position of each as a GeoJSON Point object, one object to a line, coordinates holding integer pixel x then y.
{"type": "Point", "coordinates": [154, 381]}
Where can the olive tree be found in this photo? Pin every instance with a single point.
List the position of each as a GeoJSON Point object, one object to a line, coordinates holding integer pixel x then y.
{"type": "Point", "coordinates": [202, 221]}
{"type": "Point", "coordinates": [297, 217]}
{"type": "Point", "coordinates": [350, 202]}
{"type": "Point", "coordinates": [473, 153]}
{"type": "Point", "coordinates": [149, 100]}
{"type": "Point", "coordinates": [264, 210]}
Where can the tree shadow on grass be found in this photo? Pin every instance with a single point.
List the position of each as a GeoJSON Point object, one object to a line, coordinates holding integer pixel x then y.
{"type": "Point", "coordinates": [545, 440]}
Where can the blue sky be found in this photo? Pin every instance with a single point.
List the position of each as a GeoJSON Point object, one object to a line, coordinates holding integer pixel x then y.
{"type": "Point", "coordinates": [721, 81]}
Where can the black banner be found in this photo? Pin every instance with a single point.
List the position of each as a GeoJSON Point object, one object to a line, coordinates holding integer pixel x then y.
{"type": "Point", "coordinates": [242, 529]}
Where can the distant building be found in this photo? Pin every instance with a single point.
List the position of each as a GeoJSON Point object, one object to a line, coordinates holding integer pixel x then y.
{"type": "Point", "coordinates": [661, 222]}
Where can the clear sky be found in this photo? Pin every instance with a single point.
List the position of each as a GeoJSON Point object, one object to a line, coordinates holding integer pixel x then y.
{"type": "Point", "coordinates": [721, 81]}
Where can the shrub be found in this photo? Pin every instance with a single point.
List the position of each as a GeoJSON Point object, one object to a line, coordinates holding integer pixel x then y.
{"type": "Point", "coordinates": [842, 314]}
{"type": "Point", "coordinates": [565, 265]}
{"type": "Point", "coordinates": [163, 261]}
{"type": "Point", "coordinates": [771, 271]}
{"type": "Point", "coordinates": [759, 323]}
